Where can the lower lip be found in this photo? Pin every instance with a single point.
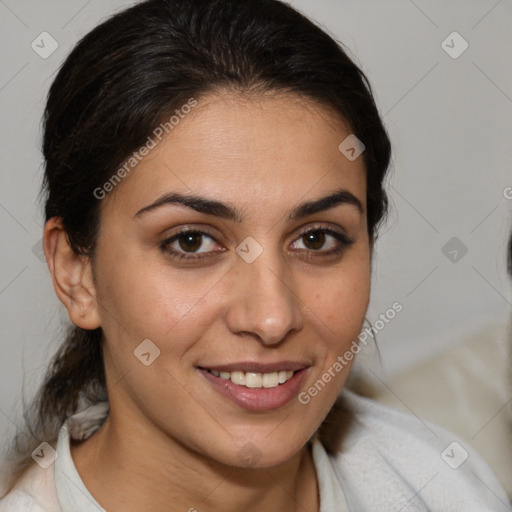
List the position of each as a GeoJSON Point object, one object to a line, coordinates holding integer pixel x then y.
{"type": "Point", "coordinates": [257, 399]}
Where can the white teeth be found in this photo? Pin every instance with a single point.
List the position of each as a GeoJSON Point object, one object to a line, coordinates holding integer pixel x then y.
{"type": "Point", "coordinates": [270, 380]}
{"type": "Point", "coordinates": [238, 378]}
{"type": "Point", "coordinates": [255, 380]}
{"type": "Point", "coordinates": [283, 376]}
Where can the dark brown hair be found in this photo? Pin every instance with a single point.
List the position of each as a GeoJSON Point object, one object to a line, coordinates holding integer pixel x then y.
{"type": "Point", "coordinates": [134, 70]}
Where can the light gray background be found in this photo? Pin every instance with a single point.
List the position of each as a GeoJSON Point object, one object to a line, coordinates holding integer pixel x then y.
{"type": "Point", "coordinates": [450, 121]}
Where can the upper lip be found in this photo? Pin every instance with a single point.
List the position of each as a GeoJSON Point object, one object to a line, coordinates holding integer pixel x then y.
{"type": "Point", "coordinates": [255, 367]}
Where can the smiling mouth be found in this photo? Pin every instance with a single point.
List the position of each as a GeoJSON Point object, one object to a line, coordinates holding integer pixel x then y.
{"type": "Point", "coordinates": [254, 379]}
{"type": "Point", "coordinates": [257, 386]}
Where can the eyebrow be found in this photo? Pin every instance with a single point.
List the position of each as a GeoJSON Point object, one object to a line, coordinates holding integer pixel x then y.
{"type": "Point", "coordinates": [229, 212]}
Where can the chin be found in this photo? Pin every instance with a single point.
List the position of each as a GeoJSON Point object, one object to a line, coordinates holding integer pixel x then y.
{"type": "Point", "coordinates": [264, 451]}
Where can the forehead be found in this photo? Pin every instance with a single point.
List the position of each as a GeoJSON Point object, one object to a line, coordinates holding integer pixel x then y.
{"type": "Point", "coordinates": [253, 150]}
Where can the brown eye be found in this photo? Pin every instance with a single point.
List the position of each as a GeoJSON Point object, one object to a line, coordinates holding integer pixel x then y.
{"type": "Point", "coordinates": [322, 242]}
{"type": "Point", "coordinates": [314, 240]}
{"type": "Point", "coordinates": [190, 242]}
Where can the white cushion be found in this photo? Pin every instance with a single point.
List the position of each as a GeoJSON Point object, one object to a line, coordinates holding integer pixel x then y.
{"type": "Point", "coordinates": [466, 389]}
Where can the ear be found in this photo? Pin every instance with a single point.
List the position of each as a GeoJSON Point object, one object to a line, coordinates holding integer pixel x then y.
{"type": "Point", "coordinates": [71, 275]}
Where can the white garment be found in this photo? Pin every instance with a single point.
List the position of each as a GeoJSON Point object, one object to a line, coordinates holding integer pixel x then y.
{"type": "Point", "coordinates": [390, 462]}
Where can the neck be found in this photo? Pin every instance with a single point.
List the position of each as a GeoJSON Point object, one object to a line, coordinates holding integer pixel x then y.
{"type": "Point", "coordinates": [125, 467]}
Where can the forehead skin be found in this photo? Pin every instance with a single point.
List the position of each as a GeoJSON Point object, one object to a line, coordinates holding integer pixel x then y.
{"type": "Point", "coordinates": [221, 149]}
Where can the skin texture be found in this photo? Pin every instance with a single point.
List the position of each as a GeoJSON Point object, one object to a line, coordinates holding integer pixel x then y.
{"type": "Point", "coordinates": [171, 438]}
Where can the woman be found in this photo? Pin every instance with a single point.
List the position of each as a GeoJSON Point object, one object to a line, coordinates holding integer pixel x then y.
{"type": "Point", "coordinates": [214, 178]}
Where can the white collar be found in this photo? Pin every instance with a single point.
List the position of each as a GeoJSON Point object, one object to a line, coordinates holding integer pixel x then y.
{"type": "Point", "coordinates": [71, 491]}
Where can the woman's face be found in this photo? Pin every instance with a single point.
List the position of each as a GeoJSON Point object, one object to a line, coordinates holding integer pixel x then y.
{"type": "Point", "coordinates": [265, 271]}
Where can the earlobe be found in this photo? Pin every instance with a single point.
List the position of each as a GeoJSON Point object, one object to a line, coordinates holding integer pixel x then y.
{"type": "Point", "coordinates": [71, 275]}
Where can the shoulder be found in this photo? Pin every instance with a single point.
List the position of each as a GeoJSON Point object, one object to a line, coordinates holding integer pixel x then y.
{"type": "Point", "coordinates": [397, 459]}
{"type": "Point", "coordinates": [20, 501]}
{"type": "Point", "coordinates": [34, 492]}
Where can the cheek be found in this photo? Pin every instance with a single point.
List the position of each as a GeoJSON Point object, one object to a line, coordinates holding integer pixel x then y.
{"type": "Point", "coordinates": [144, 300]}
{"type": "Point", "coordinates": [336, 318]}
{"type": "Point", "coordinates": [341, 305]}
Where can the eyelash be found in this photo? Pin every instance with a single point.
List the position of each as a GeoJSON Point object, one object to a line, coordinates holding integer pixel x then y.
{"type": "Point", "coordinates": [343, 240]}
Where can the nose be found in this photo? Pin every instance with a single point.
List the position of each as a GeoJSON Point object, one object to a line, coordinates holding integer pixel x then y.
{"type": "Point", "coordinates": [264, 303]}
